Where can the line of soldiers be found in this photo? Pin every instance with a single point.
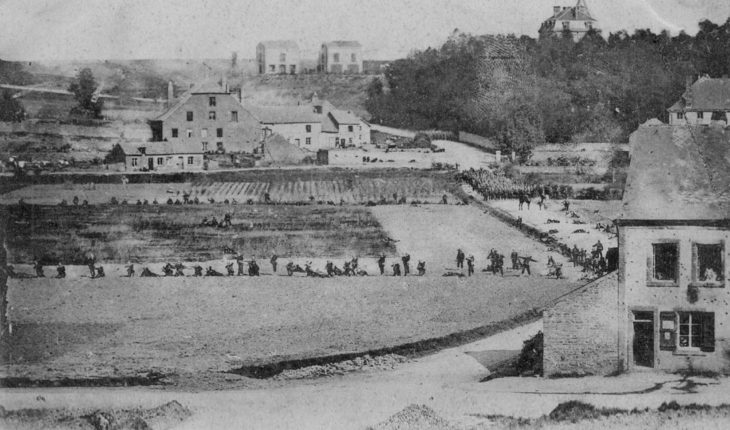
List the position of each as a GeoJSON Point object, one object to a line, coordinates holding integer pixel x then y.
{"type": "Point", "coordinates": [496, 262]}
{"type": "Point", "coordinates": [213, 222]}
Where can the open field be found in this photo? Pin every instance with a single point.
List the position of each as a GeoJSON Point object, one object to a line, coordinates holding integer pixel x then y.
{"type": "Point", "coordinates": [115, 326]}
{"type": "Point", "coordinates": [146, 234]}
{"type": "Point", "coordinates": [283, 185]}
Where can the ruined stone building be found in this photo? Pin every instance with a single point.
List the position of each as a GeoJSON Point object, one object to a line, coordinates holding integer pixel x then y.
{"type": "Point", "coordinates": [278, 57]}
{"type": "Point", "coordinates": [577, 20]}
{"type": "Point", "coordinates": [704, 101]}
{"type": "Point", "coordinates": [667, 305]}
{"type": "Point", "coordinates": [340, 56]}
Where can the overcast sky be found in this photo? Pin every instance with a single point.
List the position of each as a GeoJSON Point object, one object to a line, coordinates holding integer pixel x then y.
{"type": "Point", "coordinates": [124, 29]}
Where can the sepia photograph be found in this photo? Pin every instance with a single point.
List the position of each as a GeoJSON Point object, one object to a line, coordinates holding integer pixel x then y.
{"type": "Point", "coordinates": [364, 214]}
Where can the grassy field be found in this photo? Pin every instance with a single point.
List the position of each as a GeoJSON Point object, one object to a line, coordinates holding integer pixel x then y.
{"type": "Point", "coordinates": [286, 186]}
{"type": "Point", "coordinates": [117, 326]}
{"type": "Point", "coordinates": [117, 234]}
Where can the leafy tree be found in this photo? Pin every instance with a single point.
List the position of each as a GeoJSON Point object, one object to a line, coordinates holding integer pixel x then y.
{"type": "Point", "coordinates": [11, 110]}
{"type": "Point", "coordinates": [83, 87]}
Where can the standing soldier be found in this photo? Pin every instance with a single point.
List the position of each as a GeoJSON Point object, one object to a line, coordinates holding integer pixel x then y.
{"type": "Point", "coordinates": [91, 261]}
{"type": "Point", "coordinates": [421, 268]}
{"type": "Point", "coordinates": [526, 265]}
{"type": "Point", "coordinates": [130, 269]}
{"type": "Point", "coordinates": [60, 270]}
{"type": "Point", "coordinates": [406, 269]}
{"type": "Point", "coordinates": [515, 260]}
{"type": "Point", "coordinates": [38, 269]}
{"type": "Point", "coordinates": [470, 265]}
{"type": "Point", "coordinates": [381, 264]}
{"type": "Point", "coordinates": [460, 259]}
{"type": "Point", "coordinates": [574, 255]}
{"type": "Point", "coordinates": [239, 263]}
{"type": "Point", "coordinates": [273, 260]}
{"type": "Point", "coordinates": [229, 269]}
{"type": "Point", "coordinates": [396, 269]}
{"type": "Point", "coordinates": [500, 264]}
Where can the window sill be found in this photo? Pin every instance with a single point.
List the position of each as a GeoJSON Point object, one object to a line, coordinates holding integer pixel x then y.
{"type": "Point", "coordinates": [662, 284]}
{"type": "Point", "coordinates": [700, 284]}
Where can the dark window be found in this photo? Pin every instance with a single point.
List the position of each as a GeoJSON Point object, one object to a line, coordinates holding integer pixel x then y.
{"type": "Point", "coordinates": [708, 264]}
{"type": "Point", "coordinates": [174, 132]}
{"type": "Point", "coordinates": [160, 160]}
{"type": "Point", "coordinates": [687, 330]}
{"type": "Point", "coordinates": [350, 128]}
{"type": "Point", "coordinates": [219, 132]}
{"type": "Point", "coordinates": [190, 116]}
{"type": "Point", "coordinates": [189, 132]}
{"type": "Point", "coordinates": [205, 146]}
{"type": "Point", "coordinates": [219, 145]}
{"type": "Point", "coordinates": [666, 261]}
{"type": "Point", "coordinates": [234, 116]}
{"type": "Point", "coordinates": [190, 160]}
{"type": "Point", "coordinates": [336, 58]}
{"type": "Point", "coordinates": [566, 25]}
{"type": "Point", "coordinates": [211, 101]}
{"type": "Point", "coordinates": [308, 141]}
{"type": "Point", "coordinates": [700, 115]}
{"type": "Point", "coordinates": [308, 128]}
{"type": "Point", "coordinates": [211, 114]}
{"type": "Point", "coordinates": [680, 115]}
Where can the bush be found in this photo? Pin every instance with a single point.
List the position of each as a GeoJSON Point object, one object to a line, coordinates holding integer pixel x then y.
{"type": "Point", "coordinates": [530, 359]}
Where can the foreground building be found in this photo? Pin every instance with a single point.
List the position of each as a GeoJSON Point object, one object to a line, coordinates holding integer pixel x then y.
{"type": "Point", "coordinates": [340, 56]}
{"type": "Point", "coordinates": [159, 157]}
{"type": "Point", "coordinates": [278, 57]}
{"type": "Point", "coordinates": [577, 20]}
{"type": "Point", "coordinates": [667, 306]}
{"type": "Point", "coordinates": [340, 128]}
{"type": "Point", "coordinates": [704, 101]}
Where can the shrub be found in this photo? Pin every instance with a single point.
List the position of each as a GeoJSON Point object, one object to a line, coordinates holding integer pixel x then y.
{"type": "Point", "coordinates": [530, 359]}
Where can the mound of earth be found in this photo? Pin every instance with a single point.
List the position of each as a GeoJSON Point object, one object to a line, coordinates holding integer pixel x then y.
{"type": "Point", "coordinates": [414, 417]}
{"type": "Point", "coordinates": [164, 416]}
{"type": "Point", "coordinates": [277, 150]}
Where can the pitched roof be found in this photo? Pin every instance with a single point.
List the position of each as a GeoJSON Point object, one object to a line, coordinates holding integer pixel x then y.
{"type": "Point", "coordinates": [329, 125]}
{"type": "Point", "coordinates": [207, 87]}
{"type": "Point", "coordinates": [678, 173]}
{"type": "Point", "coordinates": [343, 44]}
{"type": "Point", "coordinates": [280, 44]}
{"type": "Point", "coordinates": [162, 148]}
{"type": "Point", "coordinates": [284, 114]}
{"type": "Point", "coordinates": [344, 117]}
{"type": "Point", "coordinates": [706, 94]}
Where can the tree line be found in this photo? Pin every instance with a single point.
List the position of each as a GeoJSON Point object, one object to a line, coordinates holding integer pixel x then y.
{"type": "Point", "coordinates": [523, 91]}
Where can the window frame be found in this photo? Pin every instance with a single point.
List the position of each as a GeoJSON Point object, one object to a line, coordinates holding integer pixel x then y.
{"type": "Point", "coordinates": [174, 132]}
{"type": "Point", "coordinates": [189, 132]}
{"type": "Point", "coordinates": [205, 146]}
{"type": "Point", "coordinates": [219, 132]}
{"type": "Point", "coordinates": [308, 141]}
{"type": "Point", "coordinates": [189, 116]}
{"type": "Point", "coordinates": [211, 115]}
{"type": "Point", "coordinates": [700, 115]}
{"type": "Point", "coordinates": [308, 128]}
{"type": "Point", "coordinates": [234, 116]}
{"type": "Point", "coordinates": [191, 160]}
{"type": "Point", "coordinates": [651, 281]}
{"type": "Point", "coordinates": [211, 101]}
{"type": "Point", "coordinates": [696, 267]}
{"type": "Point", "coordinates": [669, 338]}
{"type": "Point", "coordinates": [680, 115]}
{"type": "Point", "coordinates": [135, 161]}
{"type": "Point", "coordinates": [160, 161]}
{"type": "Point", "coordinates": [350, 128]}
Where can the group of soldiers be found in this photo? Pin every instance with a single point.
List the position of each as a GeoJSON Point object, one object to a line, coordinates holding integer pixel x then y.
{"type": "Point", "coordinates": [213, 222]}
{"type": "Point", "coordinates": [492, 186]}
{"type": "Point", "coordinates": [495, 262]}
{"type": "Point", "coordinates": [177, 269]}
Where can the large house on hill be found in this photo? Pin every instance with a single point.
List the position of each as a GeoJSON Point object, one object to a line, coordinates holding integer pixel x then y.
{"type": "Point", "coordinates": [278, 57]}
{"type": "Point", "coordinates": [577, 20]}
{"type": "Point", "coordinates": [340, 56]}
{"type": "Point", "coordinates": [667, 306]}
{"type": "Point", "coordinates": [704, 101]}
{"type": "Point", "coordinates": [210, 117]}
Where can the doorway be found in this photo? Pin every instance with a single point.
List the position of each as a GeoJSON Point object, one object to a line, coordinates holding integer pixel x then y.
{"type": "Point", "coordinates": [643, 346]}
{"type": "Point", "coordinates": [151, 163]}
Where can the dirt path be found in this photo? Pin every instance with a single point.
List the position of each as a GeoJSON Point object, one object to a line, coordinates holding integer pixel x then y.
{"type": "Point", "coordinates": [446, 382]}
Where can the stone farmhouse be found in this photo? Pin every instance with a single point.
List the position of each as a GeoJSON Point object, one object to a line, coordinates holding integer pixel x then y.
{"type": "Point", "coordinates": [160, 156]}
{"type": "Point", "coordinates": [210, 117]}
{"type": "Point", "coordinates": [704, 101]}
{"type": "Point", "coordinates": [278, 57]}
{"type": "Point", "coordinates": [577, 20]}
{"type": "Point", "coordinates": [340, 129]}
{"type": "Point", "coordinates": [340, 56]}
{"type": "Point", "coordinates": [667, 305]}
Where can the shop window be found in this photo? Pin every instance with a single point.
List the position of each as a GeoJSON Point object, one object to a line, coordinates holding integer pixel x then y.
{"type": "Point", "coordinates": [687, 331]}
{"type": "Point", "coordinates": [708, 267]}
{"type": "Point", "coordinates": [664, 262]}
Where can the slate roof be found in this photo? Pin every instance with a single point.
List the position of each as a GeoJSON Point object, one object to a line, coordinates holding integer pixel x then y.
{"type": "Point", "coordinates": [162, 148]}
{"type": "Point", "coordinates": [284, 114]}
{"type": "Point", "coordinates": [280, 44]}
{"type": "Point", "coordinates": [201, 88]}
{"type": "Point", "coordinates": [678, 173]}
{"type": "Point", "coordinates": [706, 94]}
{"type": "Point", "coordinates": [344, 117]}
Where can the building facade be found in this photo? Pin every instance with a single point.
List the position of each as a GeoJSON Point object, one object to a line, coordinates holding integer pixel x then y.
{"type": "Point", "coordinates": [704, 101]}
{"type": "Point", "coordinates": [666, 307]}
{"type": "Point", "coordinates": [340, 128]}
{"type": "Point", "coordinates": [340, 56]}
{"type": "Point", "coordinates": [211, 118]}
{"type": "Point", "coordinates": [577, 20]}
{"type": "Point", "coordinates": [278, 57]}
{"type": "Point", "coordinates": [299, 125]}
{"type": "Point", "coordinates": [160, 157]}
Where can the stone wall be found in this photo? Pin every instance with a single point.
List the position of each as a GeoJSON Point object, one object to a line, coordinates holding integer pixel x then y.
{"type": "Point", "coordinates": [581, 331]}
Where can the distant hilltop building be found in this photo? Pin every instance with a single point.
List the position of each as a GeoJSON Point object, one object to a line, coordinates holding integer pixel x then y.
{"type": "Point", "coordinates": [278, 57]}
{"type": "Point", "coordinates": [577, 20]}
{"type": "Point", "coordinates": [704, 101]}
{"type": "Point", "coordinates": [340, 56]}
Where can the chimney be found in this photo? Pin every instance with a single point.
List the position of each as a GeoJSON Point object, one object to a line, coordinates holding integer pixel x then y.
{"type": "Point", "coordinates": [170, 91]}
{"type": "Point", "coordinates": [556, 10]}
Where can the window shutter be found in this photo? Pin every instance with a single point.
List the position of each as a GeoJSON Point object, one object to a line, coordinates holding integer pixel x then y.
{"type": "Point", "coordinates": [707, 343]}
{"type": "Point", "coordinates": [667, 331]}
